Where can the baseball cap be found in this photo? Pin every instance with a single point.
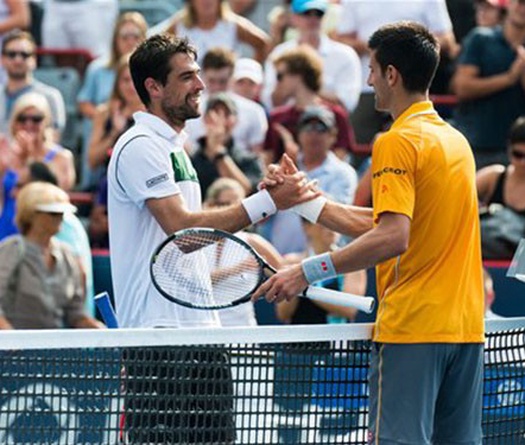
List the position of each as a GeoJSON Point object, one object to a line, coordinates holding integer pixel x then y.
{"type": "Point", "coordinates": [221, 99]}
{"type": "Point", "coordinates": [321, 114]}
{"type": "Point", "coordinates": [302, 6]}
{"type": "Point", "coordinates": [246, 68]}
{"type": "Point", "coordinates": [56, 207]}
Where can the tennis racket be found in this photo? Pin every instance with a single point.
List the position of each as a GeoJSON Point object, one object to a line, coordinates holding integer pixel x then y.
{"type": "Point", "coordinates": [203, 268]}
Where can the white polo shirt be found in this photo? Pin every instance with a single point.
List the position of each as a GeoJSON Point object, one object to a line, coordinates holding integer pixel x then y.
{"type": "Point", "coordinates": [148, 162]}
{"type": "Point", "coordinates": [341, 71]}
{"type": "Point", "coordinates": [364, 17]}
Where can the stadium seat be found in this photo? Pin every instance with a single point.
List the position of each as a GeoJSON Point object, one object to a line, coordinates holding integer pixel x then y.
{"type": "Point", "coordinates": [67, 81]}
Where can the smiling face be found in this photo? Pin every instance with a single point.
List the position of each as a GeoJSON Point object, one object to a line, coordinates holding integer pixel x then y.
{"type": "Point", "coordinates": [31, 120]}
{"type": "Point", "coordinates": [377, 80]}
{"type": "Point", "coordinates": [180, 97]}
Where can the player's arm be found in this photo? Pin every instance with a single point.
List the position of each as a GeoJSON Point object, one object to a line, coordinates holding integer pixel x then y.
{"type": "Point", "coordinates": [386, 240]}
{"type": "Point", "coordinates": [172, 213]}
{"type": "Point", "coordinates": [346, 219]}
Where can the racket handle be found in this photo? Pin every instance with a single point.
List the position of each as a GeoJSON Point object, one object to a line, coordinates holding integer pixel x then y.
{"type": "Point", "coordinates": [106, 310]}
{"type": "Point", "coordinates": [364, 304]}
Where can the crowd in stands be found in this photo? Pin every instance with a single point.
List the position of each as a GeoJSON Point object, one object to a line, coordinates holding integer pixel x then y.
{"type": "Point", "coordinates": [281, 76]}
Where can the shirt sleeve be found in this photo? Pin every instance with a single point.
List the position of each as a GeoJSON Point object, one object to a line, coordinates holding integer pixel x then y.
{"type": "Point", "coordinates": [9, 259]}
{"type": "Point", "coordinates": [75, 308]}
{"type": "Point", "coordinates": [145, 173]}
{"type": "Point", "coordinates": [472, 49]}
{"type": "Point", "coordinates": [394, 161]}
{"type": "Point", "coordinates": [259, 126]}
{"type": "Point", "coordinates": [348, 78]}
{"type": "Point", "coordinates": [88, 91]}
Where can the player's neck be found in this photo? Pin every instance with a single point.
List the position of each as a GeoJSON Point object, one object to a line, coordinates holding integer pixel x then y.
{"type": "Point", "coordinates": [404, 101]}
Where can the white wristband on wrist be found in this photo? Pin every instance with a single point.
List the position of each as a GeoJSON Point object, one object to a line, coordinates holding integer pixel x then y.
{"type": "Point", "coordinates": [310, 210]}
{"type": "Point", "coordinates": [319, 267]}
{"type": "Point", "coordinates": [258, 206]}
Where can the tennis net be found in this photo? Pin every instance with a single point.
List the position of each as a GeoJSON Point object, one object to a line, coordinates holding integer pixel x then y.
{"type": "Point", "coordinates": [266, 385]}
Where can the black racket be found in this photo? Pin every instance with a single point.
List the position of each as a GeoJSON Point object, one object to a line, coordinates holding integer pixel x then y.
{"type": "Point", "coordinates": [205, 268]}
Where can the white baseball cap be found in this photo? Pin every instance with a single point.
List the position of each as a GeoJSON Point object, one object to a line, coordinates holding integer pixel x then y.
{"type": "Point", "coordinates": [246, 68]}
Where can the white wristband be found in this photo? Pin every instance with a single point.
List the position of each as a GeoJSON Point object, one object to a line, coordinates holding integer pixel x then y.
{"type": "Point", "coordinates": [259, 206]}
{"type": "Point", "coordinates": [310, 210]}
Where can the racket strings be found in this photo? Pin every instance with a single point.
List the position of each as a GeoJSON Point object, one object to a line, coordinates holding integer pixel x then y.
{"type": "Point", "coordinates": [206, 270]}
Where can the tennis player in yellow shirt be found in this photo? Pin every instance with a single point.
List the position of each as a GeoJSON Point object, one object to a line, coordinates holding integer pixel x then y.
{"type": "Point", "coordinates": [423, 237]}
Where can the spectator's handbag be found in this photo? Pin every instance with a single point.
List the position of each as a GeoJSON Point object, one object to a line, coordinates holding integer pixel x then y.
{"type": "Point", "coordinates": [501, 231]}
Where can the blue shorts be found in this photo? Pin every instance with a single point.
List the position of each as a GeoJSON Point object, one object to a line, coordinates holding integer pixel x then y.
{"type": "Point", "coordinates": [426, 394]}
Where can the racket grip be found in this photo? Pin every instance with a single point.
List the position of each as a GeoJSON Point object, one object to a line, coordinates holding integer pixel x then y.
{"type": "Point", "coordinates": [364, 304]}
{"type": "Point", "coordinates": [106, 310]}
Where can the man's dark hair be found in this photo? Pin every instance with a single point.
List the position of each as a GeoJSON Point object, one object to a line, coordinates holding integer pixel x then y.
{"type": "Point", "coordinates": [152, 59]}
{"type": "Point", "coordinates": [218, 58]}
{"type": "Point", "coordinates": [411, 49]}
{"type": "Point", "coordinates": [17, 34]}
{"type": "Point", "coordinates": [517, 131]}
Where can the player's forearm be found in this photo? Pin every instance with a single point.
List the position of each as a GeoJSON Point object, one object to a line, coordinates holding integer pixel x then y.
{"type": "Point", "coordinates": [370, 249]}
{"type": "Point", "coordinates": [346, 219]}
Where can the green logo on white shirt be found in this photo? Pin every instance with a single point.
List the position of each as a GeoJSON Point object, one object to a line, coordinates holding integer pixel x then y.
{"type": "Point", "coordinates": [182, 167]}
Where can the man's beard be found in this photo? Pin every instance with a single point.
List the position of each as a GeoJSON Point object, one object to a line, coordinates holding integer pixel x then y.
{"type": "Point", "coordinates": [179, 115]}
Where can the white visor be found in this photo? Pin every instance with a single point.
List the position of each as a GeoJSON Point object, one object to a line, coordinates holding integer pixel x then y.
{"type": "Point", "coordinates": [56, 207]}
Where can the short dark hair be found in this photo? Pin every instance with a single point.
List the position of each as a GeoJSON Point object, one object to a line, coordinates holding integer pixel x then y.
{"type": "Point", "coordinates": [17, 34]}
{"type": "Point", "coordinates": [218, 58]}
{"type": "Point", "coordinates": [411, 49]}
{"type": "Point", "coordinates": [152, 59]}
{"type": "Point", "coordinates": [305, 62]}
{"type": "Point", "coordinates": [517, 131]}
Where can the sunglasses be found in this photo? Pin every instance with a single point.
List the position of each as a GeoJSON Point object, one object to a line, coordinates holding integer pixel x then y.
{"type": "Point", "coordinates": [280, 75]}
{"type": "Point", "coordinates": [313, 13]}
{"type": "Point", "coordinates": [517, 154]}
{"type": "Point", "coordinates": [130, 35]}
{"type": "Point", "coordinates": [315, 126]}
{"type": "Point", "coordinates": [14, 54]}
{"type": "Point", "coordinates": [35, 119]}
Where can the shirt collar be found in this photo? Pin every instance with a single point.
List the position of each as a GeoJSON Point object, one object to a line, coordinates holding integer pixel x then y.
{"type": "Point", "coordinates": [159, 126]}
{"type": "Point", "coordinates": [418, 108]}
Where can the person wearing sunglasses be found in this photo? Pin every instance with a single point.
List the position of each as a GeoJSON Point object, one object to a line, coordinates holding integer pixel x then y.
{"type": "Point", "coordinates": [19, 62]}
{"type": "Point", "coordinates": [502, 185]}
{"type": "Point", "coordinates": [341, 65]}
{"type": "Point", "coordinates": [31, 139]}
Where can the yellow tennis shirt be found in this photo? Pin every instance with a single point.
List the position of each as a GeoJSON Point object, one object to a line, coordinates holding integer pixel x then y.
{"type": "Point", "coordinates": [433, 293]}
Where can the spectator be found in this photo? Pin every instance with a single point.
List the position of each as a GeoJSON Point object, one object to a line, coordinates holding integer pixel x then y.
{"type": "Point", "coordinates": [31, 132]}
{"type": "Point", "coordinates": [71, 231]}
{"type": "Point", "coordinates": [341, 65]}
{"type": "Point", "coordinates": [249, 132]}
{"type": "Point", "coordinates": [316, 135]}
{"type": "Point", "coordinates": [226, 192]}
{"type": "Point", "coordinates": [14, 14]}
{"type": "Point", "coordinates": [299, 74]}
{"type": "Point", "coordinates": [128, 32]}
{"type": "Point", "coordinates": [217, 155]}
{"type": "Point", "coordinates": [31, 141]}
{"type": "Point", "coordinates": [359, 19]}
{"type": "Point", "coordinates": [98, 227]}
{"type": "Point", "coordinates": [490, 12]}
{"type": "Point", "coordinates": [209, 23]}
{"type": "Point", "coordinates": [489, 82]}
{"type": "Point", "coordinates": [114, 117]}
{"type": "Point", "coordinates": [79, 24]}
{"type": "Point", "coordinates": [504, 185]}
{"type": "Point", "coordinates": [19, 61]}
{"type": "Point", "coordinates": [40, 280]}
{"type": "Point", "coordinates": [248, 79]}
